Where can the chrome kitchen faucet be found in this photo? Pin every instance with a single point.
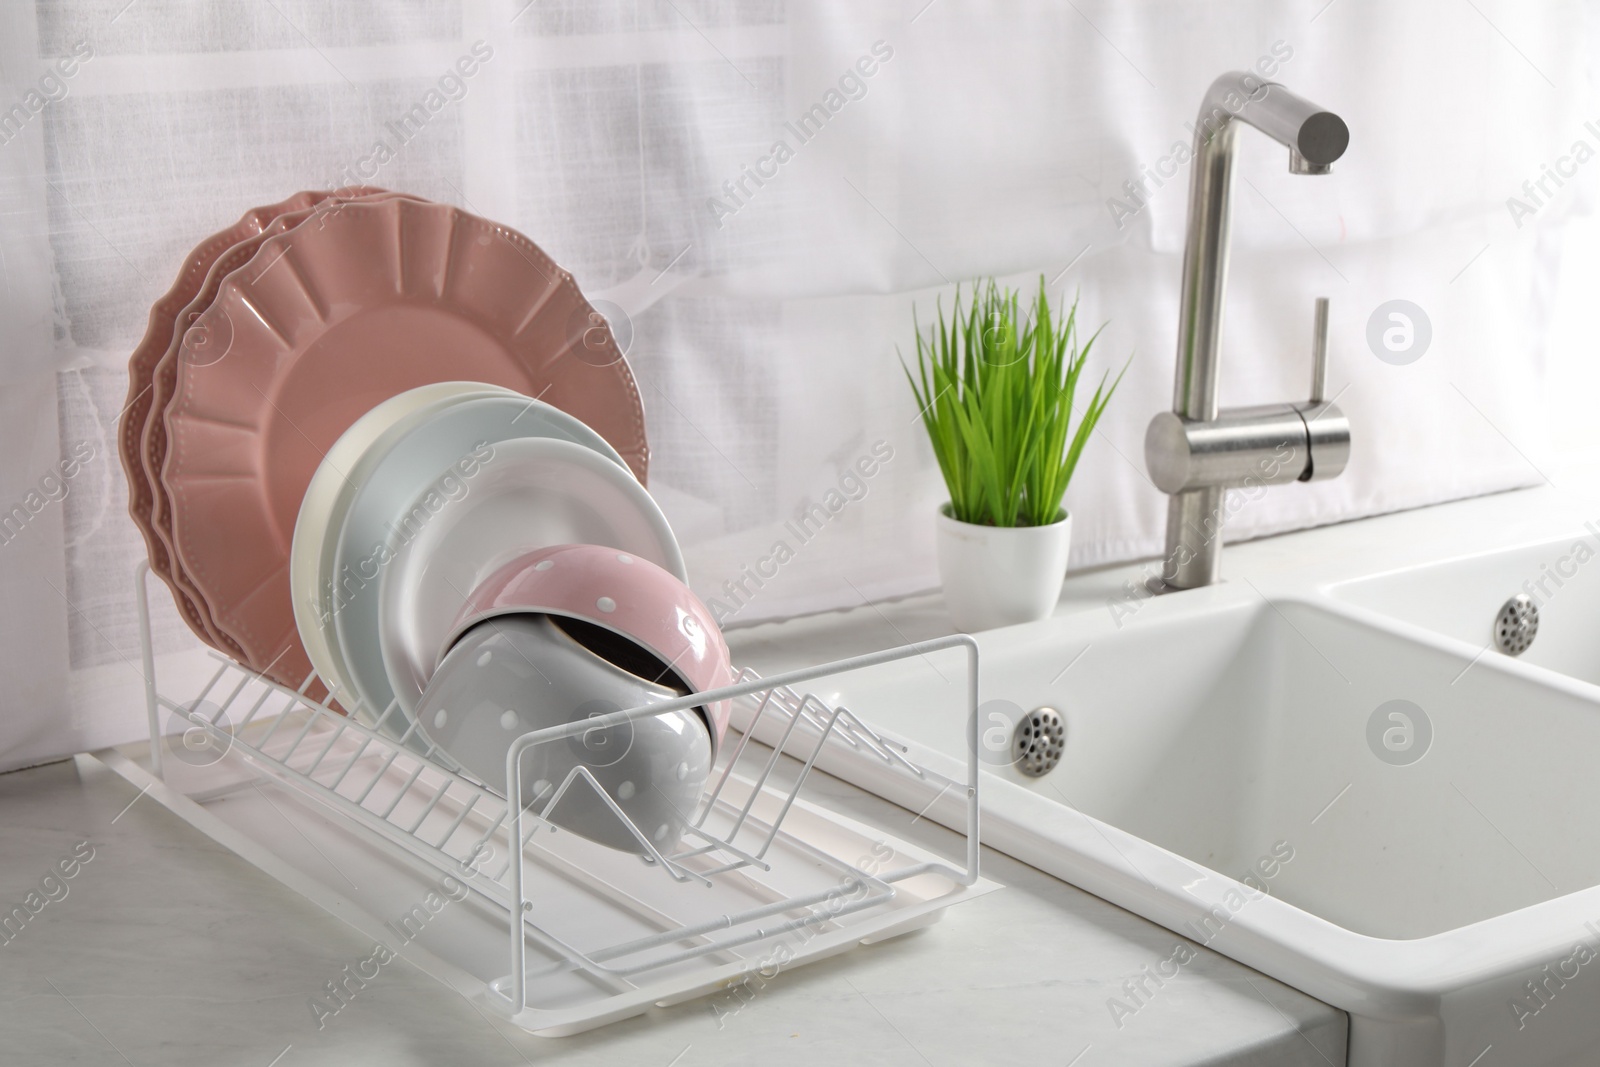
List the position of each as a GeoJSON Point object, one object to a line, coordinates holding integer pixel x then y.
{"type": "Point", "coordinates": [1196, 451]}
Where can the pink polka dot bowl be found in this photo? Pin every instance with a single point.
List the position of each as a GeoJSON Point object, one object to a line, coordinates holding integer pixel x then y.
{"type": "Point", "coordinates": [619, 600]}
{"type": "Point", "coordinates": [566, 633]}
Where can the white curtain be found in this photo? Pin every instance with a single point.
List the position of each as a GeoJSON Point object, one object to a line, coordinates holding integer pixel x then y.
{"type": "Point", "coordinates": [760, 193]}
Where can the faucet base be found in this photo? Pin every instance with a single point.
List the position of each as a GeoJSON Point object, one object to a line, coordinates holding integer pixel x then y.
{"type": "Point", "coordinates": [1194, 538]}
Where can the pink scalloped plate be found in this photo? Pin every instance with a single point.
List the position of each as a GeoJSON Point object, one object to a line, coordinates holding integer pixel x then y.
{"type": "Point", "coordinates": [322, 325]}
{"type": "Point", "coordinates": [164, 378]}
{"type": "Point", "coordinates": [164, 316]}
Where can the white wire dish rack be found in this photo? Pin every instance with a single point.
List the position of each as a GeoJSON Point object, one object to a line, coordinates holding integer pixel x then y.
{"type": "Point", "coordinates": [574, 935]}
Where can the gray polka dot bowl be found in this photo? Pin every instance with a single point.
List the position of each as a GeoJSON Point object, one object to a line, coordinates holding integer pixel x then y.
{"type": "Point", "coordinates": [626, 601]}
{"type": "Point", "coordinates": [571, 632]}
{"type": "Point", "coordinates": [512, 674]}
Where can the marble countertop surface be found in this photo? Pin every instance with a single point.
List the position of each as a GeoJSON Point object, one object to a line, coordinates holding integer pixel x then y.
{"type": "Point", "coordinates": [164, 948]}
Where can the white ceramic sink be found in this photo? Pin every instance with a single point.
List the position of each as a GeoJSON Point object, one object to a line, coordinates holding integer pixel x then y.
{"type": "Point", "coordinates": [1223, 775]}
{"type": "Point", "coordinates": [1460, 598]}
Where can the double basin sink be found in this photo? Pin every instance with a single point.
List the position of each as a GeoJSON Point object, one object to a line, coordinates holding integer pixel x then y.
{"type": "Point", "coordinates": [1325, 768]}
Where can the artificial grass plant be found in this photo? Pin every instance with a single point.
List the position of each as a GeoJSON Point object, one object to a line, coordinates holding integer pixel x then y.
{"type": "Point", "coordinates": [996, 394]}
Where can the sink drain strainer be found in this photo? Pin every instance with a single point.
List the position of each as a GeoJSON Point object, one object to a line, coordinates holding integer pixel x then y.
{"type": "Point", "coordinates": [1037, 742]}
{"type": "Point", "coordinates": [1516, 625]}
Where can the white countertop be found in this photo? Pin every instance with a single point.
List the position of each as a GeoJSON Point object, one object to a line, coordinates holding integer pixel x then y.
{"type": "Point", "coordinates": [169, 950]}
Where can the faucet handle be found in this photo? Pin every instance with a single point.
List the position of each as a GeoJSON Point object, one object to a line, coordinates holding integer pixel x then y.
{"type": "Point", "coordinates": [1327, 430]}
{"type": "Point", "coordinates": [1319, 352]}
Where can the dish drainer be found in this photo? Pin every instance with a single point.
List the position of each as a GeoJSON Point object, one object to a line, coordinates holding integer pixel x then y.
{"type": "Point", "coordinates": [762, 880]}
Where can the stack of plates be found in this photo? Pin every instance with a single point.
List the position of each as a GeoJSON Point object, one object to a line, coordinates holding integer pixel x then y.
{"type": "Point", "coordinates": [286, 329]}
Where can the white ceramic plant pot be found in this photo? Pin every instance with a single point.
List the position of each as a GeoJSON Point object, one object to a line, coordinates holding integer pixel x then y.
{"type": "Point", "coordinates": [999, 576]}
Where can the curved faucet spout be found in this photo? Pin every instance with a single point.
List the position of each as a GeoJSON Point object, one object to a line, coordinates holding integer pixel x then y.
{"type": "Point", "coordinates": [1316, 138]}
{"type": "Point", "coordinates": [1313, 135]}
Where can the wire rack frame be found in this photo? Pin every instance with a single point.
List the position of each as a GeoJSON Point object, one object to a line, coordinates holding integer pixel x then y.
{"type": "Point", "coordinates": [379, 783]}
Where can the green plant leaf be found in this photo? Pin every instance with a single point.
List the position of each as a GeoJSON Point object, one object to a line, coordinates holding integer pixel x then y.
{"type": "Point", "coordinates": [997, 393]}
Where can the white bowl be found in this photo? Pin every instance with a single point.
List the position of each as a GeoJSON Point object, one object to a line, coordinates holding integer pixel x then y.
{"type": "Point", "coordinates": [431, 451]}
{"type": "Point", "coordinates": [530, 493]}
{"type": "Point", "coordinates": [327, 497]}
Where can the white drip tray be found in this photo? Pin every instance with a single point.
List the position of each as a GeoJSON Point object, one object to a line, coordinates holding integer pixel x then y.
{"type": "Point", "coordinates": [437, 923]}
